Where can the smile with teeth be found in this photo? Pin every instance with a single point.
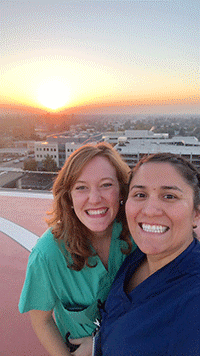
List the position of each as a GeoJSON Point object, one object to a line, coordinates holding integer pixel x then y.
{"type": "Point", "coordinates": [159, 229]}
{"type": "Point", "coordinates": [96, 212]}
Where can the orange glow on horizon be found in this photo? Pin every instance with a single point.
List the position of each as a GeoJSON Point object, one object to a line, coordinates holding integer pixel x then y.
{"type": "Point", "coordinates": [86, 85]}
{"type": "Point", "coordinates": [102, 105]}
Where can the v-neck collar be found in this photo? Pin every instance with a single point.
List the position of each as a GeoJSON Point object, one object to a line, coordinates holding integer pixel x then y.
{"type": "Point", "coordinates": [116, 230]}
{"type": "Point", "coordinates": [171, 270]}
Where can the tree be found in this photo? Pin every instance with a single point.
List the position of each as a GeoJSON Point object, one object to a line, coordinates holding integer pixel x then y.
{"type": "Point", "coordinates": [30, 165]}
{"type": "Point", "coordinates": [49, 165]}
{"type": "Point", "coordinates": [182, 132]}
{"type": "Point", "coordinates": [197, 132]}
{"type": "Point", "coordinates": [127, 125]}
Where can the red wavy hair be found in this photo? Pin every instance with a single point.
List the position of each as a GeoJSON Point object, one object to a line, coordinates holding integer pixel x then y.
{"type": "Point", "coordinates": [64, 222]}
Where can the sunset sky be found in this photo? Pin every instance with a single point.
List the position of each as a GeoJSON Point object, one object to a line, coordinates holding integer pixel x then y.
{"type": "Point", "coordinates": [115, 54]}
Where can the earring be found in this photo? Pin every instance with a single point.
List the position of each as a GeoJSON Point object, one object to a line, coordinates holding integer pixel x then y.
{"type": "Point", "coordinates": [121, 202]}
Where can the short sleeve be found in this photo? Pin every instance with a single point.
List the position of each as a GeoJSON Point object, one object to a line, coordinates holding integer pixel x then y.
{"type": "Point", "coordinates": [38, 292]}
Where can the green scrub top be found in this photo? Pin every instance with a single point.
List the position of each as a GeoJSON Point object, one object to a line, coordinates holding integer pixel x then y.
{"type": "Point", "coordinates": [73, 295]}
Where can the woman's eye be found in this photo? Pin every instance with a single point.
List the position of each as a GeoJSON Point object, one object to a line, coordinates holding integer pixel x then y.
{"type": "Point", "coordinates": [139, 195]}
{"type": "Point", "coordinates": [169, 196]}
{"type": "Point", "coordinates": [81, 187]}
{"type": "Point", "coordinates": [105, 185]}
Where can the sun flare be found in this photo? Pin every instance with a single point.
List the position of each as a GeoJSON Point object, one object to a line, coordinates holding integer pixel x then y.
{"type": "Point", "coordinates": [53, 94]}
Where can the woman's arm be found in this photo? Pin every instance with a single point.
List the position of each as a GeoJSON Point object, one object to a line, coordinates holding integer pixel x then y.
{"type": "Point", "coordinates": [85, 348]}
{"type": "Point", "coordinates": [47, 332]}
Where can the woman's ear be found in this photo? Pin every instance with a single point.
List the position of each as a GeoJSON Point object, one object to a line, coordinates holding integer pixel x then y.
{"type": "Point", "coordinates": [196, 219]}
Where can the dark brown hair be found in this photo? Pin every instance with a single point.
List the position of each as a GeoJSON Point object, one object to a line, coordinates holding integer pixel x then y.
{"type": "Point", "coordinates": [64, 222]}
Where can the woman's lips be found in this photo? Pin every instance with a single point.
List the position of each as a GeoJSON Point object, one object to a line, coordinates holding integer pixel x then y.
{"type": "Point", "coordinates": [95, 212]}
{"type": "Point", "coordinates": [159, 229]}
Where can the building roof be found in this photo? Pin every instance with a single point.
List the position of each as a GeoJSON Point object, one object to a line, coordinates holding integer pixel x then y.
{"type": "Point", "coordinates": [177, 146]}
{"type": "Point", "coordinates": [8, 177]}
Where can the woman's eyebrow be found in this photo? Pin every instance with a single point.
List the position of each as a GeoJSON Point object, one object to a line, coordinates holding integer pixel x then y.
{"type": "Point", "coordinates": [102, 179]}
{"type": "Point", "coordinates": [137, 186]}
{"type": "Point", "coordinates": [80, 181]}
{"type": "Point", "coordinates": [172, 187]}
{"type": "Point", "coordinates": [164, 187]}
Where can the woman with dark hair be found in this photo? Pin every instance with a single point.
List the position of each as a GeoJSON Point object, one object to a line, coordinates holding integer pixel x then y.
{"type": "Point", "coordinates": [153, 307]}
{"type": "Point", "coordinates": [75, 262]}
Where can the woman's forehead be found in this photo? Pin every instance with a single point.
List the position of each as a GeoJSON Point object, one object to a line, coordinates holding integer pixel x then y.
{"type": "Point", "coordinates": [158, 173]}
{"type": "Point", "coordinates": [98, 167]}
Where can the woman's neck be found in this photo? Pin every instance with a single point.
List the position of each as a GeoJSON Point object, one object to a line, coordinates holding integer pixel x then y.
{"type": "Point", "coordinates": [151, 264]}
{"type": "Point", "coordinates": [101, 243]}
{"type": "Point", "coordinates": [102, 234]}
{"type": "Point", "coordinates": [156, 262]}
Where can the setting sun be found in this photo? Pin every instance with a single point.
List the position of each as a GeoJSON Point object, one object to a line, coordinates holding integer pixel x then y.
{"type": "Point", "coordinates": [53, 94]}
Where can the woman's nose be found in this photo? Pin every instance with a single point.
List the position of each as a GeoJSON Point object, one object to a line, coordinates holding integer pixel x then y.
{"type": "Point", "coordinates": [152, 207]}
{"type": "Point", "coordinates": [94, 196]}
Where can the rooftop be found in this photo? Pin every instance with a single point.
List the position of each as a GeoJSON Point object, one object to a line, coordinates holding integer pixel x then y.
{"type": "Point", "coordinates": [22, 222]}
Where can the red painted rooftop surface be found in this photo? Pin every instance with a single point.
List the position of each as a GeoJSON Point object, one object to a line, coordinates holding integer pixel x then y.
{"type": "Point", "coordinates": [17, 336]}
{"type": "Point", "coordinates": [22, 217]}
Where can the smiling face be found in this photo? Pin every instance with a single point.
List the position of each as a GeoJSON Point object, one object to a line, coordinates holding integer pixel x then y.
{"type": "Point", "coordinates": [160, 211]}
{"type": "Point", "coordinates": [95, 195]}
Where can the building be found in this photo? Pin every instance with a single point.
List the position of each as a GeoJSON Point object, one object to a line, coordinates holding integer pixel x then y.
{"type": "Point", "coordinates": [131, 144]}
{"type": "Point", "coordinates": [60, 147]}
{"type": "Point", "coordinates": [42, 149]}
{"type": "Point", "coordinates": [132, 135]}
{"type": "Point", "coordinates": [28, 145]}
{"type": "Point", "coordinates": [133, 150]}
{"type": "Point", "coordinates": [57, 151]}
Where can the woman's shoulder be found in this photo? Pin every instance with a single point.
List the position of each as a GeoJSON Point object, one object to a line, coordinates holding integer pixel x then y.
{"type": "Point", "coordinates": [191, 258]}
{"type": "Point", "coordinates": [48, 245]}
{"type": "Point", "coordinates": [47, 238]}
